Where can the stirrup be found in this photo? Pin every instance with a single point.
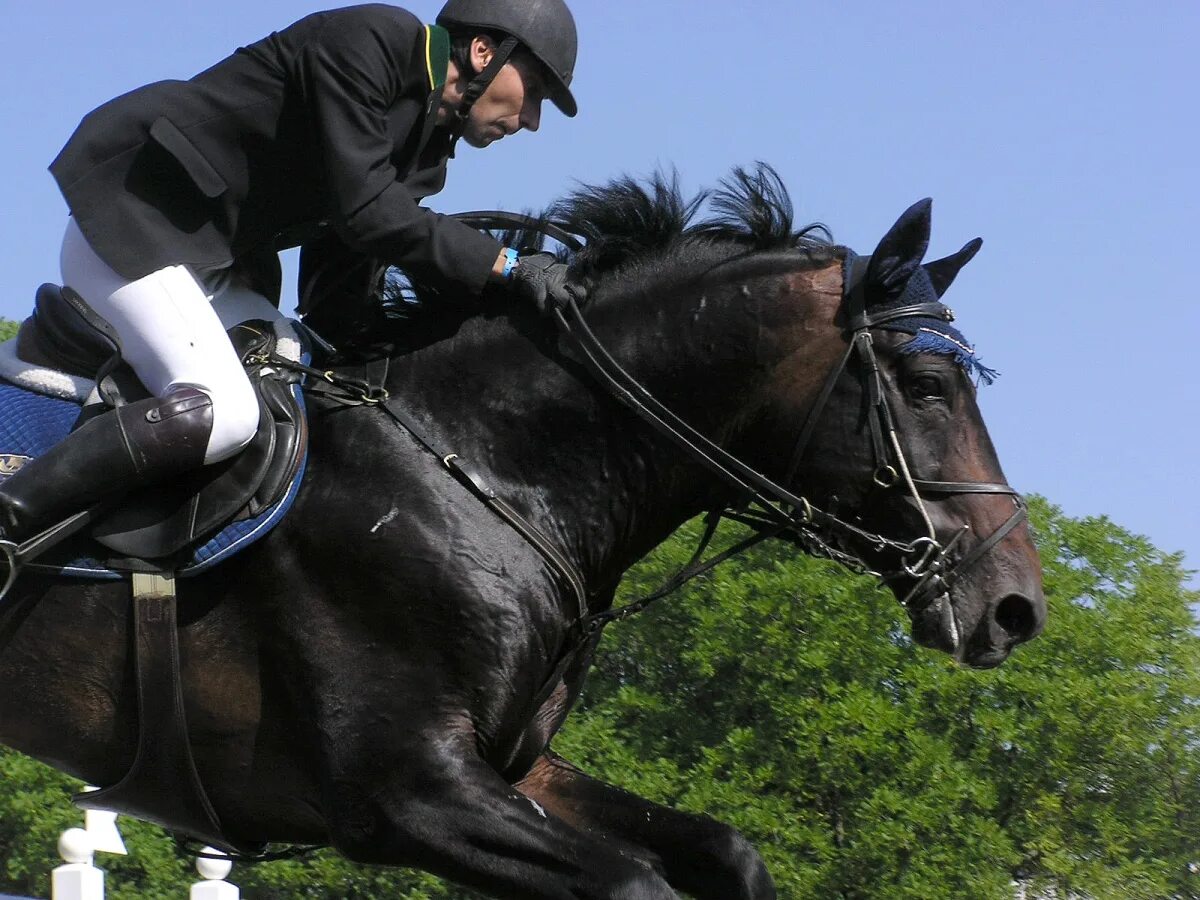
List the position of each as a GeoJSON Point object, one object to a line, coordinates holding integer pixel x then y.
{"type": "Point", "coordinates": [17, 555]}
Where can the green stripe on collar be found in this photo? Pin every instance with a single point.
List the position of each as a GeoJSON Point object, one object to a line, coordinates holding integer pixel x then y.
{"type": "Point", "coordinates": [437, 55]}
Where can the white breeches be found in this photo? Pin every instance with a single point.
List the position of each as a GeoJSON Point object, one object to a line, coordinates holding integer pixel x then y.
{"type": "Point", "coordinates": [172, 334]}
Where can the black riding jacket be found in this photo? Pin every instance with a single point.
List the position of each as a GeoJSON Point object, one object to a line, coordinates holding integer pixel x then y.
{"type": "Point", "coordinates": [326, 128]}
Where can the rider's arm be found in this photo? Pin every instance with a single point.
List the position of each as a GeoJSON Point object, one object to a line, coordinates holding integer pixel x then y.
{"type": "Point", "coordinates": [350, 75]}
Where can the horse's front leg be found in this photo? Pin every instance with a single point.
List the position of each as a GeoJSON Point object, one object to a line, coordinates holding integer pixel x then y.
{"type": "Point", "coordinates": [697, 854]}
{"type": "Point", "coordinates": [444, 810]}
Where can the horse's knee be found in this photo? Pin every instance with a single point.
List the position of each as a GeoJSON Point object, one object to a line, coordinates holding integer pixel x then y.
{"type": "Point", "coordinates": [736, 869]}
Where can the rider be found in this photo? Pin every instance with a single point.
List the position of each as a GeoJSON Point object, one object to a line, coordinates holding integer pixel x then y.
{"type": "Point", "coordinates": [326, 133]}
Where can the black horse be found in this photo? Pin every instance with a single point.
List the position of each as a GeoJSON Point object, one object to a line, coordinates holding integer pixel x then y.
{"type": "Point", "coordinates": [385, 672]}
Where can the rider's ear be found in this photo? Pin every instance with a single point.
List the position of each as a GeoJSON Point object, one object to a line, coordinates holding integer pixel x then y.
{"type": "Point", "coordinates": [943, 271]}
{"type": "Point", "coordinates": [482, 51]}
{"type": "Point", "coordinates": [901, 251]}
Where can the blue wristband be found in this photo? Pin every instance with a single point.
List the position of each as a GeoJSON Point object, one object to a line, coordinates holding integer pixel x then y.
{"type": "Point", "coordinates": [510, 263]}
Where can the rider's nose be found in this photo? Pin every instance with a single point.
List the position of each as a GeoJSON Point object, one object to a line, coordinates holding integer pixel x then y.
{"type": "Point", "coordinates": [531, 116]}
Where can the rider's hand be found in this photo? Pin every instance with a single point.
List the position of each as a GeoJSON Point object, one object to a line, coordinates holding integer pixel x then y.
{"type": "Point", "coordinates": [541, 278]}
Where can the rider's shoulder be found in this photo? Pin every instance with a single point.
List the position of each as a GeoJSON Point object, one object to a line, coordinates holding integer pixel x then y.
{"type": "Point", "coordinates": [374, 14]}
{"type": "Point", "coordinates": [353, 29]}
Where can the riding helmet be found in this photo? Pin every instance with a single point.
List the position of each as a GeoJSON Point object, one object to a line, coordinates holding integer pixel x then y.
{"type": "Point", "coordinates": [545, 27]}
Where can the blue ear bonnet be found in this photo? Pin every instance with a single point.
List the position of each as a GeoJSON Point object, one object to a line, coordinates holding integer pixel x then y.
{"type": "Point", "coordinates": [930, 334]}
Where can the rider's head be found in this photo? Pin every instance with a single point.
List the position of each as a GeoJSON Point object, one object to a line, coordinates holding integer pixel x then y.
{"type": "Point", "coordinates": [506, 57]}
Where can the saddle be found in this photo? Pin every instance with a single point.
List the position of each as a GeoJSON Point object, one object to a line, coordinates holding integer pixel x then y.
{"type": "Point", "coordinates": [65, 349]}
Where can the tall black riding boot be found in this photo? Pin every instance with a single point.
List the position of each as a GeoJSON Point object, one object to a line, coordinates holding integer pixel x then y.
{"type": "Point", "coordinates": [126, 448]}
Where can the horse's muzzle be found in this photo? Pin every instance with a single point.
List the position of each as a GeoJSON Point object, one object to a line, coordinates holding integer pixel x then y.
{"type": "Point", "coordinates": [1015, 619]}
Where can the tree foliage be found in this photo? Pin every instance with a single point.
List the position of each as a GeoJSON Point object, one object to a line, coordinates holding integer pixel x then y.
{"type": "Point", "coordinates": [786, 698]}
{"type": "Point", "coordinates": [783, 696]}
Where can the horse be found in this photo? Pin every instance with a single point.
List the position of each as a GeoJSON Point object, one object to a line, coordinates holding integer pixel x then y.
{"type": "Point", "coordinates": [384, 672]}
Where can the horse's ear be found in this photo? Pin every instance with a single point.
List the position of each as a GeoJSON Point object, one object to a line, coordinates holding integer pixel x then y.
{"type": "Point", "coordinates": [943, 271]}
{"type": "Point", "coordinates": [900, 252]}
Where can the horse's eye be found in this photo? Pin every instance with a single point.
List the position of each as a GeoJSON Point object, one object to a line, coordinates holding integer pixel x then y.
{"type": "Point", "coordinates": [925, 387]}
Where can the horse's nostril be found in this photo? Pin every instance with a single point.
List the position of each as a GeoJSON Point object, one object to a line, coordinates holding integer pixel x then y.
{"type": "Point", "coordinates": [1015, 614]}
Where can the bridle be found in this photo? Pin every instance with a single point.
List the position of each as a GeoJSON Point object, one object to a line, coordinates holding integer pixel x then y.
{"type": "Point", "coordinates": [770, 509]}
{"type": "Point", "coordinates": [934, 569]}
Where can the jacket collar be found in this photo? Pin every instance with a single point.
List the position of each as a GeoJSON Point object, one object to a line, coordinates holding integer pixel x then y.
{"type": "Point", "coordinates": [437, 55]}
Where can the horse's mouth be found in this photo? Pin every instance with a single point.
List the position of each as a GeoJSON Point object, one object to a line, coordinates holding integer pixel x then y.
{"type": "Point", "coordinates": [935, 625]}
{"type": "Point", "coordinates": [987, 660]}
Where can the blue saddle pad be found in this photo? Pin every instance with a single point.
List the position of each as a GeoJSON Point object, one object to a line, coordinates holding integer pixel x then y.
{"type": "Point", "coordinates": [31, 423]}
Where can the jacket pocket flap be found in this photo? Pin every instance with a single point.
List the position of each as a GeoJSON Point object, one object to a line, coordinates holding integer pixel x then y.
{"type": "Point", "coordinates": [175, 142]}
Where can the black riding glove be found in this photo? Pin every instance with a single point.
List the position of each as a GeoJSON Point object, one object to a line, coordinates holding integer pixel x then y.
{"type": "Point", "coordinates": [541, 278]}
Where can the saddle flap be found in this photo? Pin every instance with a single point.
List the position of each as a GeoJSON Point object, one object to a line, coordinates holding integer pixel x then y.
{"type": "Point", "coordinates": [162, 520]}
{"type": "Point", "coordinates": [291, 438]}
{"type": "Point", "coordinates": [195, 520]}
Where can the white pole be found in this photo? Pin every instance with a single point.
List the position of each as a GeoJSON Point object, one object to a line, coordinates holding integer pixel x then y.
{"type": "Point", "coordinates": [214, 886]}
{"type": "Point", "coordinates": [78, 879]}
{"type": "Point", "coordinates": [102, 826]}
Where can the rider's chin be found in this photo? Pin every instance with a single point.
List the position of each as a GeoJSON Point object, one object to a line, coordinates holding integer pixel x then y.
{"type": "Point", "coordinates": [476, 137]}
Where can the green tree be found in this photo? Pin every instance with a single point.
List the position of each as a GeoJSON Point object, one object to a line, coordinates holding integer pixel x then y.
{"type": "Point", "coordinates": [786, 698]}
{"type": "Point", "coordinates": [8, 329]}
{"type": "Point", "coordinates": [35, 809]}
{"type": "Point", "coordinates": [780, 697]}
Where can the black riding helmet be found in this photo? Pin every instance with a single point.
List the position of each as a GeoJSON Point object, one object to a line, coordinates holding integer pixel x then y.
{"type": "Point", "coordinates": [545, 28]}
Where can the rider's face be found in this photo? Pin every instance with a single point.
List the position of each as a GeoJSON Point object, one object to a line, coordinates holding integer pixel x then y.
{"type": "Point", "coordinates": [512, 101]}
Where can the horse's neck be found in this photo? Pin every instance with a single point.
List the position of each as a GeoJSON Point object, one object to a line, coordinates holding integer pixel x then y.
{"type": "Point", "coordinates": [598, 481]}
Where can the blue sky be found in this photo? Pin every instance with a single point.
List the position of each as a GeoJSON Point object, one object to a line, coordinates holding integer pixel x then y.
{"type": "Point", "coordinates": [1063, 133]}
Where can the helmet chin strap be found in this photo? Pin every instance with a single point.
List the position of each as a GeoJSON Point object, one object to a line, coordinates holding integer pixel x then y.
{"type": "Point", "coordinates": [479, 84]}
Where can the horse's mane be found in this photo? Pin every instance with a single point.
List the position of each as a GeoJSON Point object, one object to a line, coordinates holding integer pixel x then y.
{"type": "Point", "coordinates": [626, 220]}
{"type": "Point", "coordinates": [629, 221]}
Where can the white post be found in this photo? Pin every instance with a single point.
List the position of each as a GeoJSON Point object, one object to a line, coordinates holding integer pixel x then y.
{"type": "Point", "coordinates": [78, 879]}
{"type": "Point", "coordinates": [102, 826]}
{"type": "Point", "coordinates": [214, 887]}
